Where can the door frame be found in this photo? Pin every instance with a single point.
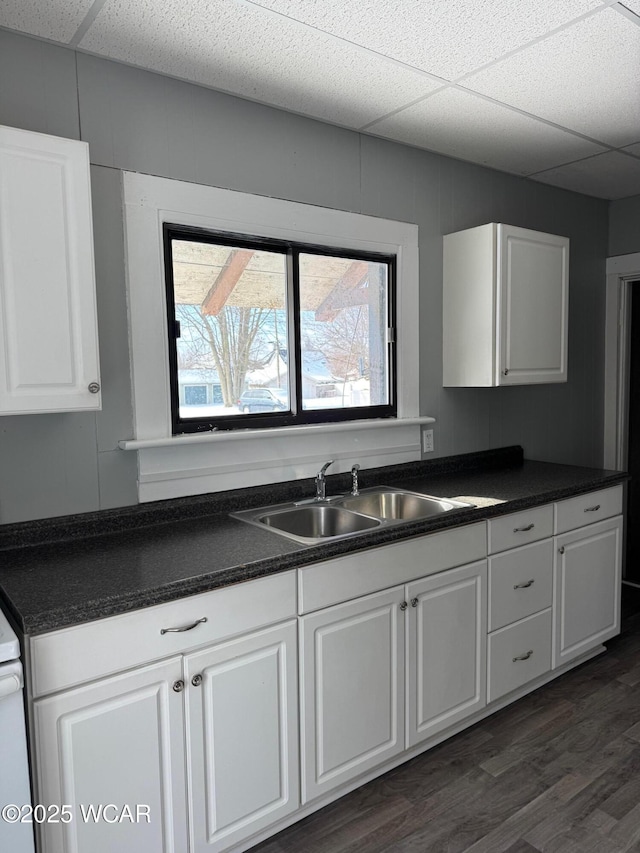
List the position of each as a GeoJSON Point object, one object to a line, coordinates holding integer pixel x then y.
{"type": "Point", "coordinates": [622, 270]}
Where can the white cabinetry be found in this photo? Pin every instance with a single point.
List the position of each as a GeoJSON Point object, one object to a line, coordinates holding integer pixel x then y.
{"type": "Point", "coordinates": [48, 330]}
{"type": "Point", "coordinates": [520, 599]}
{"type": "Point", "coordinates": [352, 661]}
{"type": "Point", "coordinates": [206, 739]}
{"type": "Point", "coordinates": [505, 306]}
{"type": "Point", "coordinates": [242, 736]}
{"type": "Point", "coordinates": [116, 742]}
{"type": "Point", "coordinates": [446, 642]}
{"type": "Point", "coordinates": [356, 680]}
{"type": "Point", "coordinates": [588, 570]}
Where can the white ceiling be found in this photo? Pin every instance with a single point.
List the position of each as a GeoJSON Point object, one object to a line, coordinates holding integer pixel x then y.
{"type": "Point", "coordinates": [548, 89]}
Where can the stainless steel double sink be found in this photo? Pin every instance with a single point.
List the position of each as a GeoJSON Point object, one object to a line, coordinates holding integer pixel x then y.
{"type": "Point", "coordinates": [343, 516]}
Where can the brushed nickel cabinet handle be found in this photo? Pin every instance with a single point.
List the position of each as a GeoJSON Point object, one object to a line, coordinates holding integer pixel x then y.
{"type": "Point", "coordinates": [592, 508]}
{"type": "Point", "coordinates": [183, 627]}
{"type": "Point", "coordinates": [403, 605]}
{"type": "Point", "coordinates": [524, 584]}
{"type": "Point", "coordinates": [525, 656]}
{"type": "Point", "coordinates": [414, 602]}
{"type": "Point", "coordinates": [561, 549]}
{"type": "Point", "coordinates": [523, 529]}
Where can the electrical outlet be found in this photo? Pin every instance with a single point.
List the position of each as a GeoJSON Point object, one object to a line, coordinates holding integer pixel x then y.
{"type": "Point", "coordinates": [427, 441]}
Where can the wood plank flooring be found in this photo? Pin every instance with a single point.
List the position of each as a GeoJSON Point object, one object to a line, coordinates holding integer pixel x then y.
{"type": "Point", "coordinates": [557, 772]}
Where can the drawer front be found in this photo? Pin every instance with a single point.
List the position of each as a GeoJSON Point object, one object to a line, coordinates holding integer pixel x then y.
{"type": "Point", "coordinates": [585, 509]}
{"type": "Point", "coordinates": [335, 581]}
{"type": "Point", "coordinates": [520, 583]}
{"type": "Point", "coordinates": [518, 654]}
{"type": "Point", "coordinates": [520, 528]}
{"type": "Point", "coordinates": [74, 655]}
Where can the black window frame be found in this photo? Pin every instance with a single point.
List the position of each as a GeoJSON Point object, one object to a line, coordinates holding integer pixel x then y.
{"type": "Point", "coordinates": [297, 416]}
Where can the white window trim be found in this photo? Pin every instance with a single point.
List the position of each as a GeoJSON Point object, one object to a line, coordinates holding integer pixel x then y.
{"type": "Point", "coordinates": [171, 466]}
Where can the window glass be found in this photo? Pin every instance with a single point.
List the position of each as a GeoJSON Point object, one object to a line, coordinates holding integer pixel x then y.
{"type": "Point", "coordinates": [343, 323]}
{"type": "Point", "coordinates": [264, 333]}
{"type": "Point", "coordinates": [229, 303]}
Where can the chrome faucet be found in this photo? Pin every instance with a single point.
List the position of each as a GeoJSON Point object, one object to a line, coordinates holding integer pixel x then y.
{"type": "Point", "coordinates": [321, 494]}
{"type": "Point", "coordinates": [354, 480]}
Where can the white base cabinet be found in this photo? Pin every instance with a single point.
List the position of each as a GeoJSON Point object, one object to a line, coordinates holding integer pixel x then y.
{"type": "Point", "coordinates": [366, 700]}
{"type": "Point", "coordinates": [352, 674]}
{"type": "Point", "coordinates": [242, 712]}
{"type": "Point", "coordinates": [232, 734]}
{"type": "Point", "coordinates": [588, 578]}
{"type": "Point", "coordinates": [108, 745]}
{"type": "Point", "coordinates": [205, 742]}
{"type": "Point", "coordinates": [446, 642]}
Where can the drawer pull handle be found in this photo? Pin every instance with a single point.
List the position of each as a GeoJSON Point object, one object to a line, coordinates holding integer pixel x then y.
{"type": "Point", "coordinates": [183, 628]}
{"type": "Point", "coordinates": [593, 508]}
{"type": "Point", "coordinates": [525, 656]}
{"type": "Point", "coordinates": [524, 584]}
{"type": "Point", "coordinates": [524, 529]}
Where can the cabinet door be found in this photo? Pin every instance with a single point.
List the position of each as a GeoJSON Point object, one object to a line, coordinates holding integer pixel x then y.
{"type": "Point", "coordinates": [587, 579]}
{"type": "Point", "coordinates": [48, 331]}
{"type": "Point", "coordinates": [243, 736]}
{"type": "Point", "coordinates": [533, 292]}
{"type": "Point", "coordinates": [352, 665]}
{"type": "Point", "coordinates": [446, 657]}
{"type": "Point", "coordinates": [113, 751]}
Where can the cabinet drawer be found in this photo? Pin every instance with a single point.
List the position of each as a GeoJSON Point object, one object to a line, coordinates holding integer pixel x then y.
{"type": "Point", "coordinates": [585, 509]}
{"type": "Point", "coordinates": [520, 528]}
{"type": "Point", "coordinates": [74, 655]}
{"type": "Point", "coordinates": [520, 583]}
{"type": "Point", "coordinates": [518, 654]}
{"type": "Point", "coordinates": [335, 581]}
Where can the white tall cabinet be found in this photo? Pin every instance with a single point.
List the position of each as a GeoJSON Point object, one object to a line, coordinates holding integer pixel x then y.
{"type": "Point", "coordinates": [48, 328]}
{"type": "Point", "coordinates": [505, 306]}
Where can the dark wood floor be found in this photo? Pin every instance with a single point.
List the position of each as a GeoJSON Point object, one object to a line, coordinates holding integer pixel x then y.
{"type": "Point", "coordinates": [559, 772]}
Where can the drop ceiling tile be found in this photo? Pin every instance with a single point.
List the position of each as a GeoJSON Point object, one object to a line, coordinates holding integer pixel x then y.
{"type": "Point", "coordinates": [611, 175]}
{"type": "Point", "coordinates": [444, 37]}
{"type": "Point", "coordinates": [240, 49]}
{"type": "Point", "coordinates": [633, 5]}
{"type": "Point", "coordinates": [586, 78]}
{"type": "Point", "coordinates": [461, 124]}
{"type": "Point", "coordinates": [56, 20]}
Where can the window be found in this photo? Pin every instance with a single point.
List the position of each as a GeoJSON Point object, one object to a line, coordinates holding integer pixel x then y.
{"type": "Point", "coordinates": [289, 333]}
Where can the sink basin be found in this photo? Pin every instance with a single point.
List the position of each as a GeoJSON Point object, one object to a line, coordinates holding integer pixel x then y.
{"type": "Point", "coordinates": [318, 521]}
{"type": "Point", "coordinates": [348, 515]}
{"type": "Point", "coordinates": [398, 505]}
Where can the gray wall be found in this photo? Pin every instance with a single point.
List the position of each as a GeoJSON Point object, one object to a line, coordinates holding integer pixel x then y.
{"type": "Point", "coordinates": [135, 120]}
{"type": "Point", "coordinates": [624, 226]}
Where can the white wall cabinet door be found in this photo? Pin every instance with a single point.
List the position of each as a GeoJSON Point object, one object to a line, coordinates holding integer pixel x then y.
{"type": "Point", "coordinates": [115, 743]}
{"type": "Point", "coordinates": [352, 664]}
{"type": "Point", "coordinates": [587, 580]}
{"type": "Point", "coordinates": [48, 328]}
{"type": "Point", "coordinates": [446, 642]}
{"type": "Point", "coordinates": [534, 299]}
{"type": "Point", "coordinates": [505, 306]}
{"type": "Point", "coordinates": [242, 699]}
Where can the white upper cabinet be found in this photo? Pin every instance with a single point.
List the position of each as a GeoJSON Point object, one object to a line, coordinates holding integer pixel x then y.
{"type": "Point", "coordinates": [48, 329]}
{"type": "Point", "coordinates": [505, 307]}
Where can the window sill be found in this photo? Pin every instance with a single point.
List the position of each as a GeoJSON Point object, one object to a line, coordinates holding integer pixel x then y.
{"type": "Point", "coordinates": [249, 434]}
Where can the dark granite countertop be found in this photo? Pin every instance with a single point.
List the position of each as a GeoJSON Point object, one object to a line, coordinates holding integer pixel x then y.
{"type": "Point", "coordinates": [60, 572]}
